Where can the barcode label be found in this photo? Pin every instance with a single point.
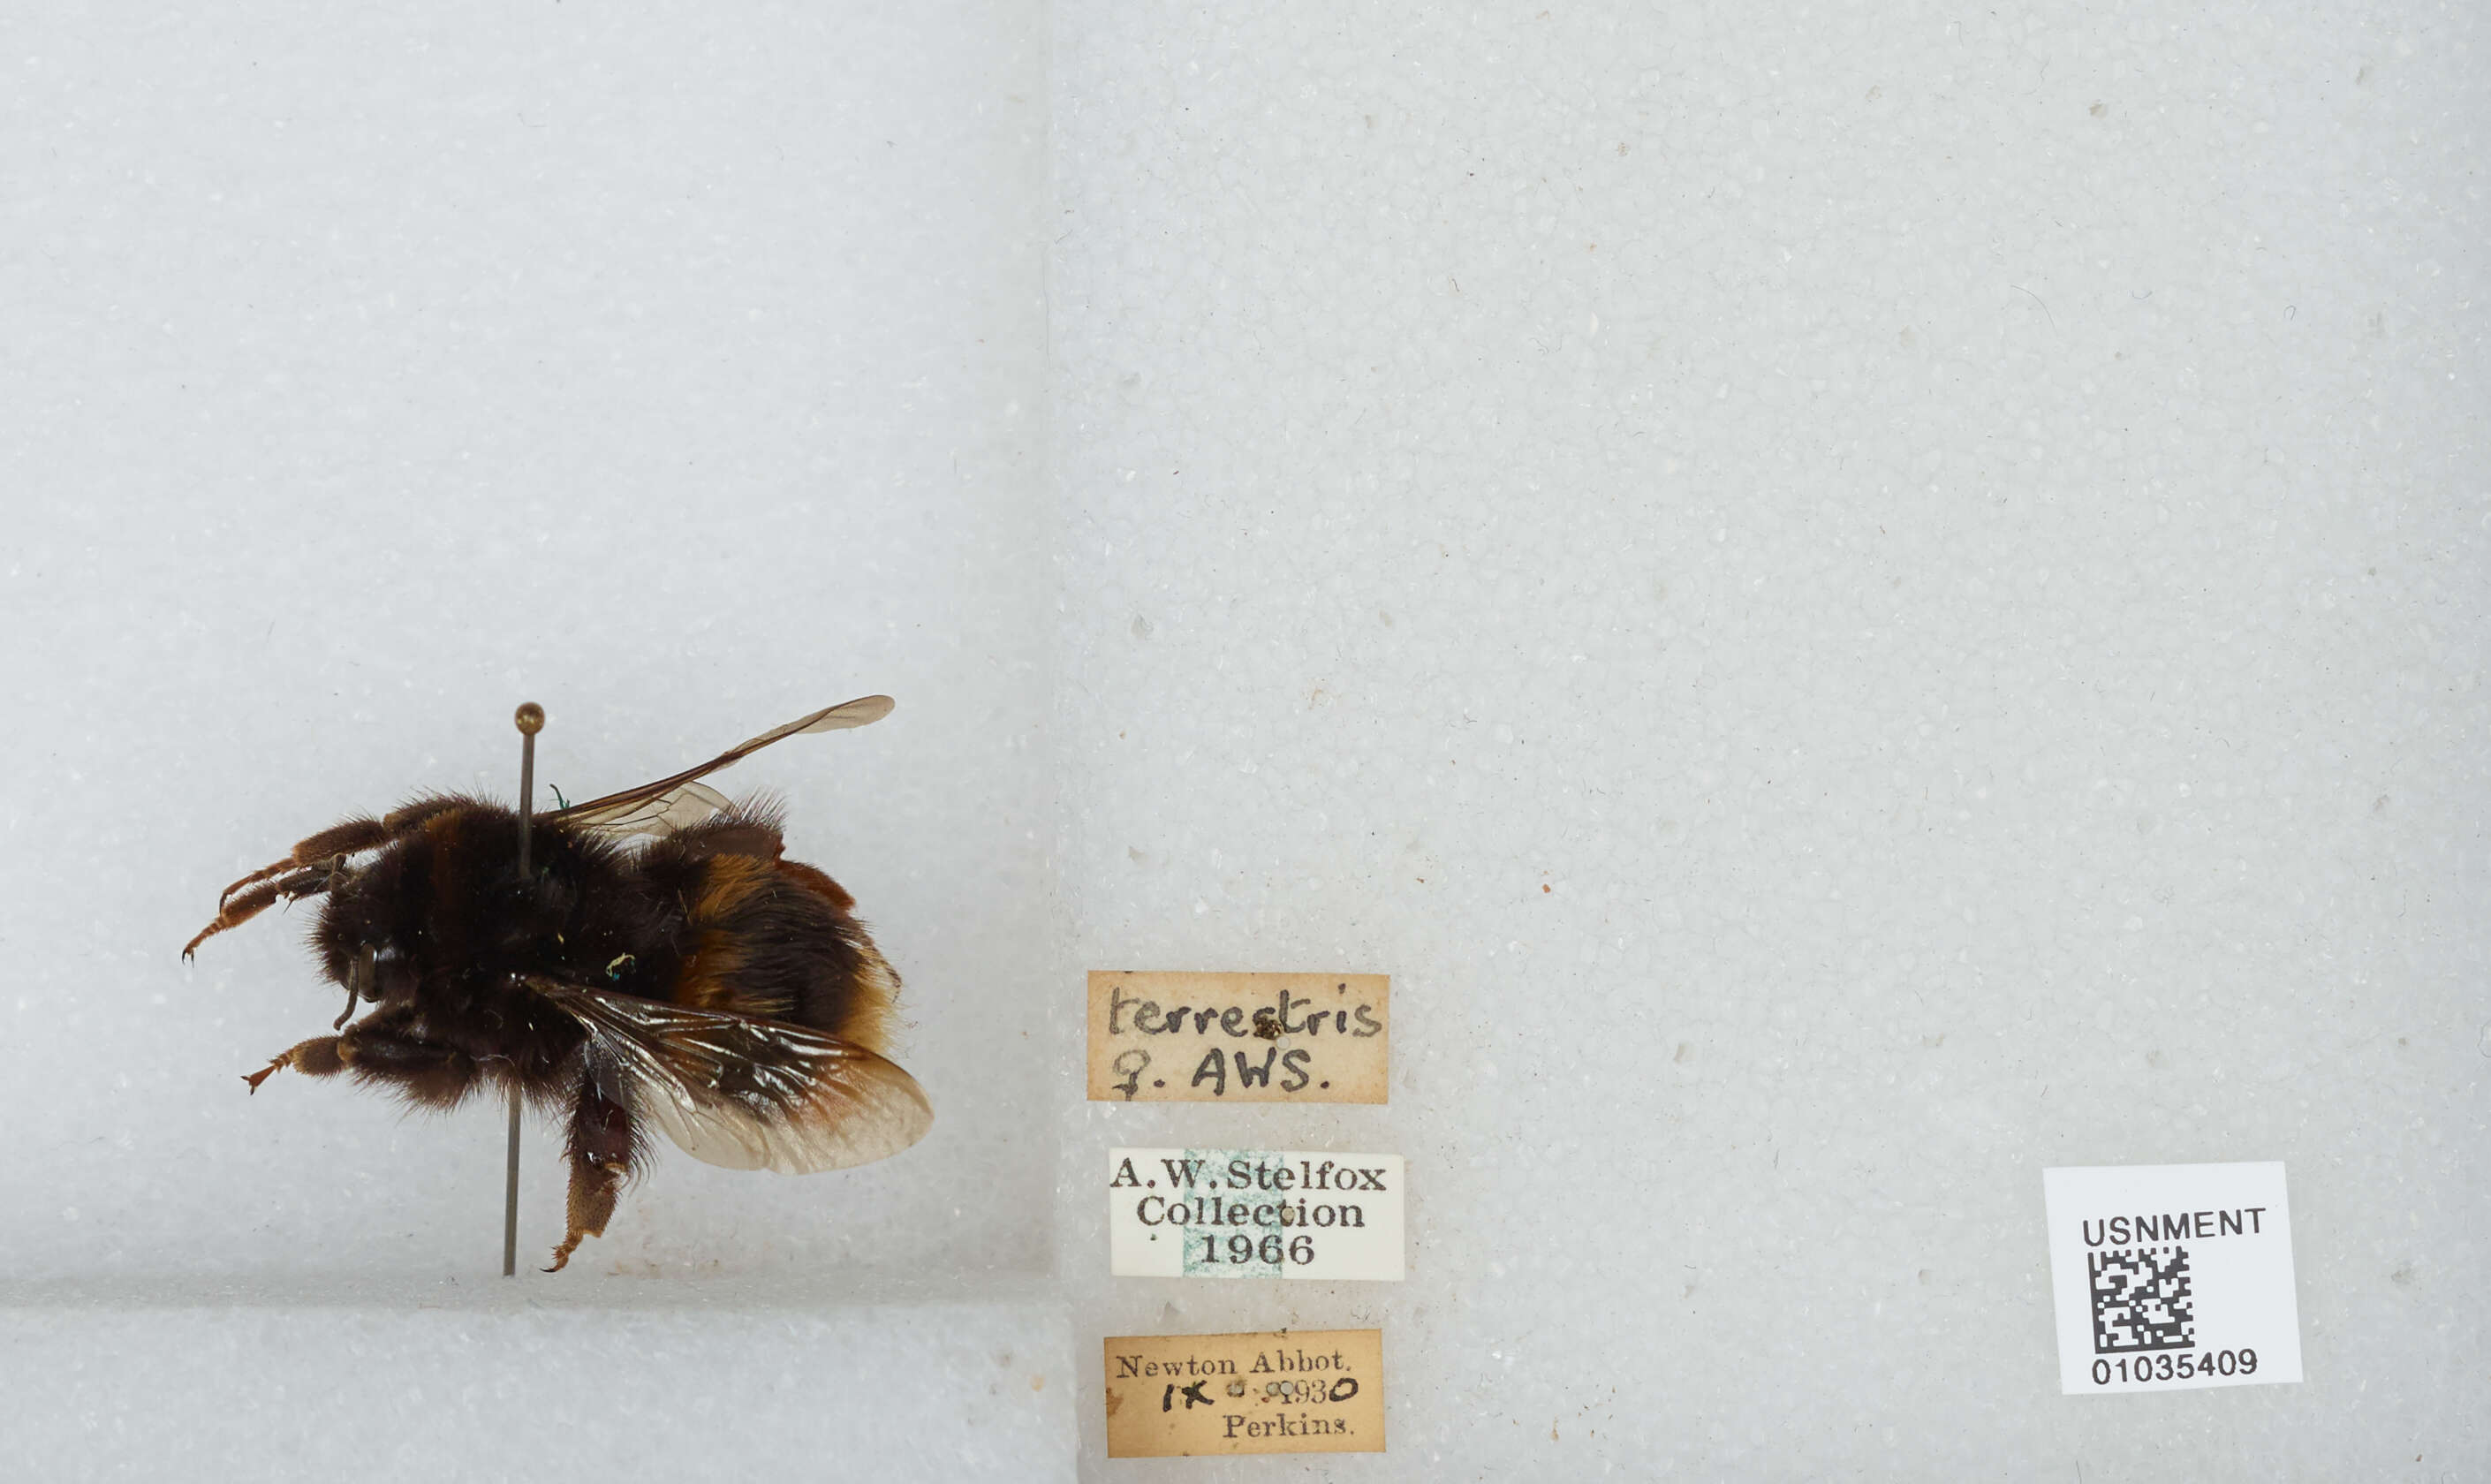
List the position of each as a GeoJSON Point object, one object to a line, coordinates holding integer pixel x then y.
{"type": "Point", "coordinates": [2141, 1300]}
{"type": "Point", "coordinates": [2172, 1276]}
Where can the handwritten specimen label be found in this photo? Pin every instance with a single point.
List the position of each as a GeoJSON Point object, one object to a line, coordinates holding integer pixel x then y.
{"type": "Point", "coordinates": [1254, 1213]}
{"type": "Point", "coordinates": [1239, 1037]}
{"type": "Point", "coordinates": [1311, 1391]}
{"type": "Point", "coordinates": [2169, 1277]}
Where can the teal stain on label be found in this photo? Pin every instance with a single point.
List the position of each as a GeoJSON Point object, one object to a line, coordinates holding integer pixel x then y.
{"type": "Point", "coordinates": [1222, 1237]}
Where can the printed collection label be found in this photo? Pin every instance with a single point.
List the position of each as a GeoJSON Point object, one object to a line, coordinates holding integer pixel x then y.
{"type": "Point", "coordinates": [1313, 1391]}
{"type": "Point", "coordinates": [1239, 1037]}
{"type": "Point", "coordinates": [2170, 1277]}
{"type": "Point", "coordinates": [1254, 1214]}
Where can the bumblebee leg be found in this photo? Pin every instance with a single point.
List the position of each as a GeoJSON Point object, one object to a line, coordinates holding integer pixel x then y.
{"type": "Point", "coordinates": [601, 1143]}
{"type": "Point", "coordinates": [351, 837]}
{"type": "Point", "coordinates": [252, 903]}
{"type": "Point", "coordinates": [234, 914]}
{"type": "Point", "coordinates": [326, 1056]}
{"type": "Point", "coordinates": [380, 1049]}
{"type": "Point", "coordinates": [315, 1058]}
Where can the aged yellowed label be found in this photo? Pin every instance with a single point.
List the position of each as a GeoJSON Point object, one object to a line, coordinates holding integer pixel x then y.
{"type": "Point", "coordinates": [1311, 1391]}
{"type": "Point", "coordinates": [1239, 1037]}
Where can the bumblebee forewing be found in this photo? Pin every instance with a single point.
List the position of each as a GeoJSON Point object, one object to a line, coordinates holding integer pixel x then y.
{"type": "Point", "coordinates": [863, 710]}
{"type": "Point", "coordinates": [676, 808]}
{"type": "Point", "coordinates": [749, 1093]}
{"type": "Point", "coordinates": [858, 712]}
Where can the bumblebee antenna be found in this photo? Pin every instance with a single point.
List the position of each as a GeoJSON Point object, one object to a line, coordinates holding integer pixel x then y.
{"type": "Point", "coordinates": [530, 720]}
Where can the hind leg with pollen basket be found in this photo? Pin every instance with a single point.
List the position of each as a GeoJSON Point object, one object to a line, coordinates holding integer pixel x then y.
{"type": "Point", "coordinates": [601, 1143]}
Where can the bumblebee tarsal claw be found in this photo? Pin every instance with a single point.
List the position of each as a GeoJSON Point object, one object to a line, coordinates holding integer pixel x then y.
{"type": "Point", "coordinates": [562, 1254]}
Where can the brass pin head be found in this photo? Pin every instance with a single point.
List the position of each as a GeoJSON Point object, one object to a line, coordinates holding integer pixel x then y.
{"type": "Point", "coordinates": [530, 718]}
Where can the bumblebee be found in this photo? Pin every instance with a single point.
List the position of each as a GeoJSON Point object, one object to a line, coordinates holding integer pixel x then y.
{"type": "Point", "coordinates": [660, 964]}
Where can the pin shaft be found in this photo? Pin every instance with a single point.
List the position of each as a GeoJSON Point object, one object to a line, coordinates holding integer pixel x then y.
{"type": "Point", "coordinates": [511, 1194]}
{"type": "Point", "coordinates": [530, 720]}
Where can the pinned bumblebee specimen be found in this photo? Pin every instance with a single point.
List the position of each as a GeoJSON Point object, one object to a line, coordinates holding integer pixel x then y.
{"type": "Point", "coordinates": [695, 980]}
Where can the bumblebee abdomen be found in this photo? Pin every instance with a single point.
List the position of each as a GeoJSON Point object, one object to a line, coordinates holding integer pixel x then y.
{"type": "Point", "coordinates": [777, 939]}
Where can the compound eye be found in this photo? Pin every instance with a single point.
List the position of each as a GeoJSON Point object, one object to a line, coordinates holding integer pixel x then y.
{"type": "Point", "coordinates": [363, 973]}
{"type": "Point", "coordinates": [385, 968]}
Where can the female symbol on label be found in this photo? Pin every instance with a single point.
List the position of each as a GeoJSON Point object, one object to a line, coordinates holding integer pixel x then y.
{"type": "Point", "coordinates": [1132, 1064]}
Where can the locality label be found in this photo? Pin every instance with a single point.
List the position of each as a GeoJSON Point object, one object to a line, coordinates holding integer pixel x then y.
{"type": "Point", "coordinates": [1306, 1391]}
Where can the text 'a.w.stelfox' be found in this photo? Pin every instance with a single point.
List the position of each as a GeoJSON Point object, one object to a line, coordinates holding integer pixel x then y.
{"type": "Point", "coordinates": [1254, 1214]}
